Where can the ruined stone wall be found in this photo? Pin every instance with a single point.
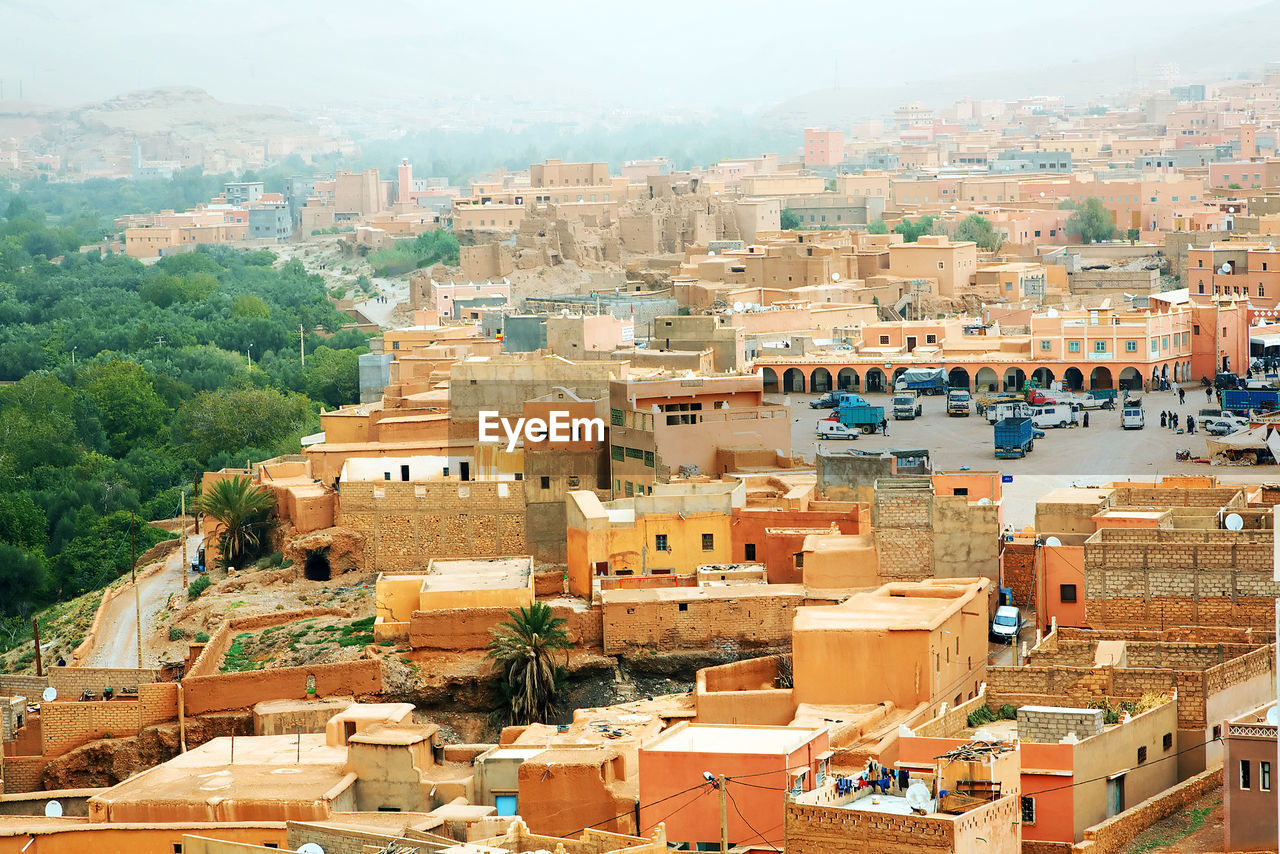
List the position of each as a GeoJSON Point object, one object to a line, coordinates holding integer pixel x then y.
{"type": "Point", "coordinates": [407, 524]}
{"type": "Point", "coordinates": [903, 525]}
{"type": "Point", "coordinates": [1179, 577]}
{"type": "Point", "coordinates": [1050, 725]}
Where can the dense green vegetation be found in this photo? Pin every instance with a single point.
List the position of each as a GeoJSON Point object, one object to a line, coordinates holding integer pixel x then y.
{"type": "Point", "coordinates": [1091, 221]}
{"type": "Point", "coordinates": [978, 229]}
{"type": "Point", "coordinates": [430, 247]}
{"type": "Point", "coordinates": [124, 381]}
{"type": "Point", "coordinates": [911, 231]}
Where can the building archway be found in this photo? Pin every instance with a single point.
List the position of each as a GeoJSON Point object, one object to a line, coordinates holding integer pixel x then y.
{"type": "Point", "coordinates": [1130, 379]}
{"type": "Point", "coordinates": [1043, 376]}
{"type": "Point", "coordinates": [897, 375]}
{"type": "Point", "coordinates": [1014, 379]}
{"type": "Point", "coordinates": [958, 378]}
{"type": "Point", "coordinates": [770, 378]}
{"type": "Point", "coordinates": [875, 380]}
{"type": "Point", "coordinates": [793, 380]}
{"type": "Point", "coordinates": [848, 380]}
{"type": "Point", "coordinates": [820, 381]}
{"type": "Point", "coordinates": [1100, 378]}
{"type": "Point", "coordinates": [316, 566]}
{"type": "Point", "coordinates": [1073, 379]}
{"type": "Point", "coordinates": [986, 380]}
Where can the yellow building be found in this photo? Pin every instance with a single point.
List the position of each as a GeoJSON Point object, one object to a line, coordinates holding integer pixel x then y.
{"type": "Point", "coordinates": [502, 582]}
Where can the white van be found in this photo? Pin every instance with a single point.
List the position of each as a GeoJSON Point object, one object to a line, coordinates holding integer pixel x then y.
{"type": "Point", "coordinates": [1008, 410]}
{"type": "Point", "coordinates": [1131, 416]}
{"type": "Point", "coordinates": [831, 428]}
{"type": "Point", "coordinates": [1058, 415]}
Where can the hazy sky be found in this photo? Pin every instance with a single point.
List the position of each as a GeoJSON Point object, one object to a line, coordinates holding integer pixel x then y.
{"type": "Point", "coordinates": [650, 54]}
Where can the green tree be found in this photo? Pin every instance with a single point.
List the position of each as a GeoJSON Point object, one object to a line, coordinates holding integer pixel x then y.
{"type": "Point", "coordinates": [242, 510]}
{"type": "Point", "coordinates": [24, 576]}
{"type": "Point", "coordinates": [788, 220]}
{"type": "Point", "coordinates": [523, 651]}
{"type": "Point", "coordinates": [228, 420]}
{"type": "Point", "coordinates": [911, 231]}
{"type": "Point", "coordinates": [1092, 222]}
{"type": "Point", "coordinates": [979, 230]}
{"type": "Point", "coordinates": [333, 376]}
{"type": "Point", "coordinates": [877, 226]}
{"type": "Point", "coordinates": [127, 403]}
{"type": "Point", "coordinates": [249, 305]}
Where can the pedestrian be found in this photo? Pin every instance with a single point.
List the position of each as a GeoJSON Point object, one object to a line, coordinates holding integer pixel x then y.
{"type": "Point", "coordinates": [1176, 419]}
{"type": "Point", "coordinates": [1086, 419]}
{"type": "Point", "coordinates": [1208, 393]}
{"type": "Point", "coordinates": [884, 426]}
{"type": "Point", "coordinates": [1164, 418]}
{"type": "Point", "coordinates": [1191, 425]}
{"type": "Point", "coordinates": [1182, 395]}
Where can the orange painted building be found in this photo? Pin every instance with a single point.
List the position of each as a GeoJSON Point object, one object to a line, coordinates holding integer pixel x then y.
{"type": "Point", "coordinates": [775, 760]}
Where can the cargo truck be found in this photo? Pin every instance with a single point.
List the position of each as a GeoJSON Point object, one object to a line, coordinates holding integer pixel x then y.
{"type": "Point", "coordinates": [906, 405]}
{"type": "Point", "coordinates": [854, 411]}
{"type": "Point", "coordinates": [923, 380]}
{"type": "Point", "coordinates": [959, 402]}
{"type": "Point", "coordinates": [1246, 399]}
{"type": "Point", "coordinates": [1014, 438]}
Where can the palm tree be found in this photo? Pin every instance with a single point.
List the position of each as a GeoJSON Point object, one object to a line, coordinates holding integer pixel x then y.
{"type": "Point", "coordinates": [522, 650]}
{"type": "Point", "coordinates": [242, 509]}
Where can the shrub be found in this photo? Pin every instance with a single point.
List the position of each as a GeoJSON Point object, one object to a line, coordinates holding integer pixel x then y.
{"type": "Point", "coordinates": [200, 585]}
{"type": "Point", "coordinates": [202, 637]}
{"type": "Point", "coordinates": [979, 716]}
{"type": "Point", "coordinates": [1008, 712]}
{"type": "Point", "coordinates": [176, 634]}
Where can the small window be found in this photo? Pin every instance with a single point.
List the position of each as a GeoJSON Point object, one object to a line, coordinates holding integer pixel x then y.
{"type": "Point", "coordinates": [1066, 593]}
{"type": "Point", "coordinates": [708, 542]}
{"type": "Point", "coordinates": [1028, 810]}
{"type": "Point", "coordinates": [799, 556]}
{"type": "Point", "coordinates": [615, 453]}
{"type": "Point", "coordinates": [573, 481]}
{"type": "Point", "coordinates": [1073, 346]}
{"type": "Point", "coordinates": [1245, 782]}
{"type": "Point", "coordinates": [1099, 346]}
{"type": "Point", "coordinates": [1167, 741]}
{"type": "Point", "coordinates": [1142, 754]}
{"type": "Point", "coordinates": [1264, 776]}
{"type": "Point", "coordinates": [1045, 345]}
{"type": "Point", "coordinates": [884, 339]}
{"type": "Point", "coordinates": [177, 848]}
{"type": "Point", "coordinates": [749, 551]}
{"type": "Point", "coordinates": [684, 606]}
{"type": "Point", "coordinates": [1131, 346]}
{"type": "Point", "coordinates": [660, 542]}
{"type": "Point", "coordinates": [545, 482]}
{"type": "Point", "coordinates": [931, 339]}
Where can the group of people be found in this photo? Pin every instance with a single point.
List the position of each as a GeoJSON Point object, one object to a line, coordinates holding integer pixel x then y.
{"type": "Point", "coordinates": [1173, 419]}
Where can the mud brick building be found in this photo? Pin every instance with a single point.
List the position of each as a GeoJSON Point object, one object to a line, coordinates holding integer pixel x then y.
{"type": "Point", "coordinates": [1218, 674]}
{"type": "Point", "coordinates": [407, 524]}
{"type": "Point", "coordinates": [1155, 578]}
{"type": "Point", "coordinates": [700, 618]}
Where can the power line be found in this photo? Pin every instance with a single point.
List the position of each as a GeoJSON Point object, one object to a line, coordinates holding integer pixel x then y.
{"type": "Point", "coordinates": [750, 827]}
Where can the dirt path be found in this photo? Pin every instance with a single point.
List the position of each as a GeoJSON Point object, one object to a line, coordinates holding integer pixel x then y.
{"type": "Point", "coordinates": [117, 645]}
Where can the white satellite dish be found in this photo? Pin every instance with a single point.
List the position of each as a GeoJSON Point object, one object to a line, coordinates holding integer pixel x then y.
{"type": "Point", "coordinates": [310, 848]}
{"type": "Point", "coordinates": [53, 809]}
{"type": "Point", "coordinates": [1234, 522]}
{"type": "Point", "coordinates": [835, 277]}
{"type": "Point", "coordinates": [1273, 715]}
{"type": "Point", "coordinates": [711, 253]}
{"type": "Point", "coordinates": [984, 502]}
{"type": "Point", "coordinates": [1225, 268]}
{"type": "Point", "coordinates": [1053, 541]}
{"type": "Point", "coordinates": [918, 797]}
{"type": "Point", "coordinates": [50, 694]}
{"type": "Point", "coordinates": [739, 306]}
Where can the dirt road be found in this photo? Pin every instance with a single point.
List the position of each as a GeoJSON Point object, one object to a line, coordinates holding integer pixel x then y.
{"type": "Point", "coordinates": [117, 645]}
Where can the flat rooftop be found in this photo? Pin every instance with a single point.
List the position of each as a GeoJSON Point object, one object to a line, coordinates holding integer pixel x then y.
{"type": "Point", "coordinates": [499, 573]}
{"type": "Point", "coordinates": [708, 738]}
{"type": "Point", "coordinates": [900, 607]}
{"type": "Point", "coordinates": [267, 767]}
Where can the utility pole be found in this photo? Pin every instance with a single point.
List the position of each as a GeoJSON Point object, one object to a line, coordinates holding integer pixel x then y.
{"type": "Point", "coordinates": [182, 532]}
{"type": "Point", "coordinates": [302, 345]}
{"type": "Point", "coordinates": [724, 814]}
{"type": "Point", "coordinates": [133, 572]}
{"type": "Point", "coordinates": [35, 628]}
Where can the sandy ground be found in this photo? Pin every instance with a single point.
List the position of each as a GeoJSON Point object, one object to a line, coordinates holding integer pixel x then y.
{"type": "Point", "coordinates": [1064, 457]}
{"type": "Point", "coordinates": [1197, 828]}
{"type": "Point", "coordinates": [117, 645]}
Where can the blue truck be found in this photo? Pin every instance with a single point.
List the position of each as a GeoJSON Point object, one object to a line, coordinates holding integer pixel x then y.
{"type": "Point", "coordinates": [1245, 399]}
{"type": "Point", "coordinates": [922, 380]}
{"type": "Point", "coordinates": [854, 411]}
{"type": "Point", "coordinates": [1015, 438]}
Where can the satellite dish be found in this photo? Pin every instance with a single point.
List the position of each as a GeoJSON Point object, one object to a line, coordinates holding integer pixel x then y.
{"type": "Point", "coordinates": [1273, 715]}
{"type": "Point", "coordinates": [918, 797]}
{"type": "Point", "coordinates": [835, 277]}
{"type": "Point", "coordinates": [50, 694]}
{"type": "Point", "coordinates": [1053, 541]}
{"type": "Point", "coordinates": [984, 502]}
{"type": "Point", "coordinates": [739, 306]}
{"type": "Point", "coordinates": [1225, 268]}
{"type": "Point", "coordinates": [711, 253]}
{"type": "Point", "coordinates": [53, 809]}
{"type": "Point", "coordinates": [310, 848]}
{"type": "Point", "coordinates": [985, 736]}
{"type": "Point", "coordinates": [1234, 522]}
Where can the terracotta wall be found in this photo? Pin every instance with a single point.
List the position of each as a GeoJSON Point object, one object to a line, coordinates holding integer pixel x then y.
{"type": "Point", "coordinates": [758, 616]}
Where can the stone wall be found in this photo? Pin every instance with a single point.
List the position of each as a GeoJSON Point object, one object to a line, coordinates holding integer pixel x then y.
{"type": "Point", "coordinates": [903, 523]}
{"type": "Point", "coordinates": [694, 622]}
{"type": "Point", "coordinates": [68, 724]}
{"type": "Point", "coordinates": [471, 628]}
{"type": "Point", "coordinates": [1017, 572]}
{"type": "Point", "coordinates": [1116, 833]}
{"type": "Point", "coordinates": [407, 524]}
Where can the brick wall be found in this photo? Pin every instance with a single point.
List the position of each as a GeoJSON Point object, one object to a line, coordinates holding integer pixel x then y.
{"type": "Point", "coordinates": [470, 628]}
{"type": "Point", "coordinates": [748, 620]}
{"type": "Point", "coordinates": [22, 773]}
{"type": "Point", "coordinates": [1140, 579]}
{"type": "Point", "coordinates": [333, 840]}
{"type": "Point", "coordinates": [1017, 571]}
{"type": "Point", "coordinates": [406, 524]}
{"type": "Point", "coordinates": [66, 725]}
{"type": "Point", "coordinates": [902, 520]}
{"type": "Point", "coordinates": [1046, 725]}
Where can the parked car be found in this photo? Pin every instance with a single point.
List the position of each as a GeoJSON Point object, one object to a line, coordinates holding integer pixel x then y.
{"type": "Point", "coordinates": [1223, 424]}
{"type": "Point", "coordinates": [831, 428]}
{"type": "Point", "coordinates": [1007, 624]}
